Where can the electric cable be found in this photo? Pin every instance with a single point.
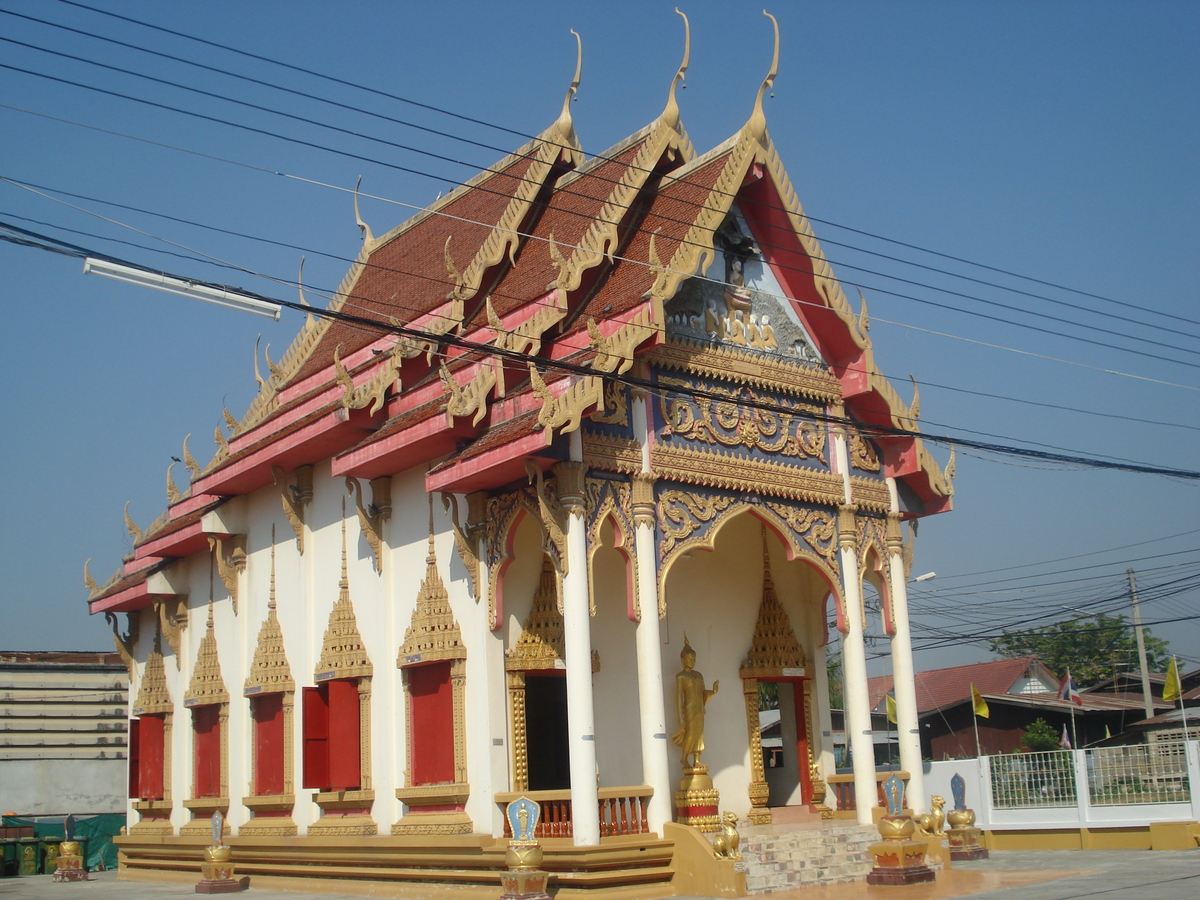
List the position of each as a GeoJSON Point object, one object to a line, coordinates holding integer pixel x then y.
{"type": "Point", "coordinates": [948, 335]}
{"type": "Point", "coordinates": [526, 137]}
{"type": "Point", "coordinates": [369, 264]}
{"type": "Point", "coordinates": [944, 306]}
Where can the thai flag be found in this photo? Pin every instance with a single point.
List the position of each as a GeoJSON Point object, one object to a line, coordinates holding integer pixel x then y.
{"type": "Point", "coordinates": [1068, 691]}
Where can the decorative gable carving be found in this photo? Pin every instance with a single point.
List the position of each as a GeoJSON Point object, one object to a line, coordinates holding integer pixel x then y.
{"type": "Point", "coordinates": [269, 671]}
{"type": "Point", "coordinates": [342, 653]}
{"type": "Point", "coordinates": [433, 633]}
{"type": "Point", "coordinates": [153, 696]}
{"type": "Point", "coordinates": [207, 684]}
{"type": "Point", "coordinates": [542, 644]}
{"type": "Point", "coordinates": [774, 649]}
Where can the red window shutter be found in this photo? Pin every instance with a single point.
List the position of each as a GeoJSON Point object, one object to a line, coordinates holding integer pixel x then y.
{"type": "Point", "coordinates": [267, 711]}
{"type": "Point", "coordinates": [134, 748]}
{"type": "Point", "coordinates": [316, 737]}
{"type": "Point", "coordinates": [431, 705]}
{"type": "Point", "coordinates": [344, 766]}
{"type": "Point", "coordinates": [150, 757]}
{"type": "Point", "coordinates": [206, 747]}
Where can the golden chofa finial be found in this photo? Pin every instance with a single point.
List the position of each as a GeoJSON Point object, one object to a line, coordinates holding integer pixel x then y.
{"type": "Point", "coordinates": [671, 113]}
{"type": "Point", "coordinates": [757, 126]}
{"type": "Point", "coordinates": [564, 125]}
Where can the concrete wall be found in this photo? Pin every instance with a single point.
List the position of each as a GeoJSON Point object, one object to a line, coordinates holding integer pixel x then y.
{"type": "Point", "coordinates": [48, 787]}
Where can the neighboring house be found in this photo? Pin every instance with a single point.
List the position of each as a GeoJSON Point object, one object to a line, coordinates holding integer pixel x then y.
{"type": "Point", "coordinates": [480, 615]}
{"type": "Point", "coordinates": [1017, 692]}
{"type": "Point", "coordinates": [62, 733]}
{"type": "Point", "coordinates": [1171, 724]}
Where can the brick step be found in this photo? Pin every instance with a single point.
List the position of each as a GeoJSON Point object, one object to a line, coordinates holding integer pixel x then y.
{"type": "Point", "coordinates": [781, 857]}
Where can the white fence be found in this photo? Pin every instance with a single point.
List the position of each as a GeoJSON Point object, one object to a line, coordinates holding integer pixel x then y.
{"type": "Point", "coordinates": [1105, 787]}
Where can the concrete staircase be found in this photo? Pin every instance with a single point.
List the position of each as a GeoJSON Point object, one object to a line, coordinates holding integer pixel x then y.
{"type": "Point", "coordinates": [791, 855]}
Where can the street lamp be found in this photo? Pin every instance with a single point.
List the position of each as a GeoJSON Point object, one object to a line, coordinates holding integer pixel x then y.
{"type": "Point", "coordinates": [196, 290]}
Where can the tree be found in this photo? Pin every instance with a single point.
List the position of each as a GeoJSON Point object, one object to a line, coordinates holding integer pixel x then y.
{"type": "Point", "coordinates": [1039, 736]}
{"type": "Point", "coordinates": [1092, 648]}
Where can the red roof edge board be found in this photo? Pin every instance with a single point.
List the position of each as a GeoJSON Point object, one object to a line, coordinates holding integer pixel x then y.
{"type": "Point", "coordinates": [765, 212]}
{"type": "Point", "coordinates": [184, 542]}
{"type": "Point", "coordinates": [138, 596]}
{"type": "Point", "coordinates": [318, 440]}
{"type": "Point", "coordinates": [414, 445]}
{"type": "Point", "coordinates": [493, 468]}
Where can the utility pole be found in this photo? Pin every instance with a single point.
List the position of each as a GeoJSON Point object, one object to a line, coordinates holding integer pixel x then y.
{"type": "Point", "coordinates": [1148, 699]}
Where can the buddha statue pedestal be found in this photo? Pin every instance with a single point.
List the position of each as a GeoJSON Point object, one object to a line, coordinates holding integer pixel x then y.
{"type": "Point", "coordinates": [697, 800]}
{"type": "Point", "coordinates": [898, 858]}
{"type": "Point", "coordinates": [962, 837]}
{"type": "Point", "coordinates": [525, 879]}
{"type": "Point", "coordinates": [217, 871]}
{"type": "Point", "coordinates": [70, 863]}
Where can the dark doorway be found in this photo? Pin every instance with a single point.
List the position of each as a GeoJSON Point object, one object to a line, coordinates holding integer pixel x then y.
{"type": "Point", "coordinates": [546, 732]}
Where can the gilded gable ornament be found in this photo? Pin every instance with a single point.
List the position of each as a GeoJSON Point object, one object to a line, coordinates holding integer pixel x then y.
{"type": "Point", "coordinates": [542, 641]}
{"type": "Point", "coordinates": [774, 650]}
{"type": "Point", "coordinates": [153, 696]}
{"type": "Point", "coordinates": [207, 685]}
{"type": "Point", "coordinates": [269, 670]}
{"type": "Point", "coordinates": [342, 652]}
{"type": "Point", "coordinates": [433, 633]}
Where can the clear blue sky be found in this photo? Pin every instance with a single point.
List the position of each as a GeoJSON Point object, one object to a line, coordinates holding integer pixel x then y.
{"type": "Point", "coordinates": [1052, 139]}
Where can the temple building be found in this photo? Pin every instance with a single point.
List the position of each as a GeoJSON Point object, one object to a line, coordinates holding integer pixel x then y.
{"type": "Point", "coordinates": [580, 421]}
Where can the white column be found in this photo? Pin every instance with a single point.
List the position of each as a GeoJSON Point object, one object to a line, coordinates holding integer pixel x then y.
{"type": "Point", "coordinates": [854, 658]}
{"type": "Point", "coordinates": [655, 758]}
{"type": "Point", "coordinates": [581, 720]}
{"type": "Point", "coordinates": [857, 700]}
{"type": "Point", "coordinates": [655, 765]}
{"type": "Point", "coordinates": [903, 675]}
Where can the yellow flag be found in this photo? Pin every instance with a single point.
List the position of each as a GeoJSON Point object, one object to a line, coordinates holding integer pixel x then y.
{"type": "Point", "coordinates": [1172, 689]}
{"type": "Point", "coordinates": [891, 709]}
{"type": "Point", "coordinates": [981, 707]}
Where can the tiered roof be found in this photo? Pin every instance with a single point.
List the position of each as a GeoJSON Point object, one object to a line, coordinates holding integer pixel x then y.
{"type": "Point", "coordinates": [544, 254]}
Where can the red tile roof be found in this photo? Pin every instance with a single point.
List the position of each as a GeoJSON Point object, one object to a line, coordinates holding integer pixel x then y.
{"type": "Point", "coordinates": [941, 687]}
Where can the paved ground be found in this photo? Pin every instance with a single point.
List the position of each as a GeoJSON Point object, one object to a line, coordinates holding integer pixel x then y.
{"type": "Point", "coordinates": [1008, 875]}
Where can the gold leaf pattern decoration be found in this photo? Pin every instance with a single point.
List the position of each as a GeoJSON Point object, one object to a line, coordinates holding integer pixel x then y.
{"type": "Point", "coordinates": [543, 640]}
{"type": "Point", "coordinates": [433, 633]}
{"type": "Point", "coordinates": [342, 652]}
{"type": "Point", "coordinates": [153, 696]}
{"type": "Point", "coordinates": [207, 685]}
{"type": "Point", "coordinates": [269, 671]}
{"type": "Point", "coordinates": [774, 647]}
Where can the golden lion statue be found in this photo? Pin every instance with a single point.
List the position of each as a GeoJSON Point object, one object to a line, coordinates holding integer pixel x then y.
{"type": "Point", "coordinates": [725, 844]}
{"type": "Point", "coordinates": [932, 821]}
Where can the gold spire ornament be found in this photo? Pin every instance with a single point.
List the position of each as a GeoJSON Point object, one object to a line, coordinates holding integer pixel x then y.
{"type": "Point", "coordinates": [565, 126]}
{"type": "Point", "coordinates": [342, 652]}
{"type": "Point", "coordinates": [670, 114]}
{"type": "Point", "coordinates": [757, 126]}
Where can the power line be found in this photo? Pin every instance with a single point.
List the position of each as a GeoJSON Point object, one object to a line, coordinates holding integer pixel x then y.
{"type": "Point", "coordinates": [948, 335]}
{"type": "Point", "coordinates": [369, 264]}
{"type": "Point", "coordinates": [447, 135]}
{"type": "Point", "coordinates": [409, 170]}
{"type": "Point", "coordinates": [525, 136]}
{"type": "Point", "coordinates": [375, 326]}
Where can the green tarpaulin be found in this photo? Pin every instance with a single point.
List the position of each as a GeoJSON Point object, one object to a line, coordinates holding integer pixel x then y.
{"type": "Point", "coordinates": [97, 830]}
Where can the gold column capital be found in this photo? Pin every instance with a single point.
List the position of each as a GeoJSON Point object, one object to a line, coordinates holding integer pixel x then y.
{"type": "Point", "coordinates": [847, 526]}
{"type": "Point", "coordinates": [644, 505]}
{"type": "Point", "coordinates": [570, 476]}
{"type": "Point", "coordinates": [895, 539]}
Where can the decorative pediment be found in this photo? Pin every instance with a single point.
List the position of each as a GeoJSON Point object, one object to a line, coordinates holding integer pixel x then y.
{"type": "Point", "coordinates": [153, 696]}
{"type": "Point", "coordinates": [774, 651]}
{"type": "Point", "coordinates": [269, 671]}
{"type": "Point", "coordinates": [342, 653]}
{"type": "Point", "coordinates": [543, 639]}
{"type": "Point", "coordinates": [433, 633]}
{"type": "Point", "coordinates": [542, 644]}
{"type": "Point", "coordinates": [207, 685]}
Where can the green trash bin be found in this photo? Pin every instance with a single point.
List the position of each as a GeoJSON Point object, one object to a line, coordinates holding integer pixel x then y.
{"type": "Point", "coordinates": [27, 856]}
{"type": "Point", "coordinates": [48, 850]}
{"type": "Point", "coordinates": [8, 857]}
